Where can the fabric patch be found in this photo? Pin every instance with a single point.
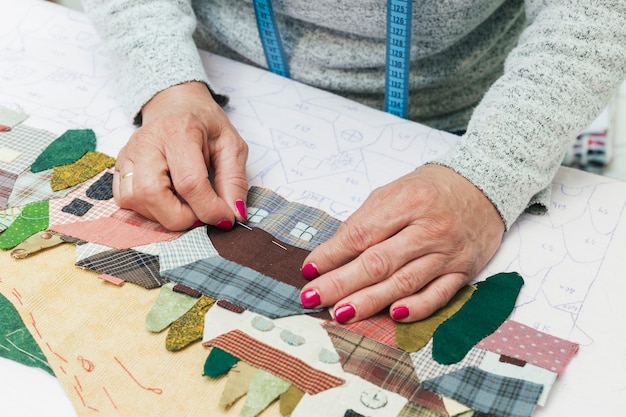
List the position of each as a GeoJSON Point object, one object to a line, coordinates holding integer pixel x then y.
{"type": "Point", "coordinates": [223, 279]}
{"type": "Point", "coordinates": [111, 279]}
{"type": "Point", "coordinates": [186, 249]}
{"type": "Point", "coordinates": [111, 232]}
{"type": "Point", "coordinates": [32, 219]}
{"type": "Point", "coordinates": [382, 365]}
{"type": "Point", "coordinates": [488, 307]}
{"type": "Point", "coordinates": [230, 306]}
{"type": "Point", "coordinates": [102, 189]}
{"type": "Point", "coordinates": [283, 216]}
{"type": "Point", "coordinates": [31, 142]}
{"type": "Point", "coordinates": [8, 155]}
{"type": "Point", "coordinates": [239, 378]}
{"type": "Point", "coordinates": [66, 149]}
{"type": "Point", "coordinates": [218, 363]}
{"type": "Point", "coordinates": [32, 187]}
{"type": "Point", "coordinates": [180, 288]}
{"type": "Point", "coordinates": [411, 409]}
{"type": "Point", "coordinates": [427, 368]}
{"type": "Point", "coordinates": [87, 249]}
{"type": "Point", "coordinates": [380, 327]}
{"type": "Point", "coordinates": [411, 337]}
{"type": "Point", "coordinates": [8, 216]}
{"type": "Point", "coordinates": [488, 393]}
{"type": "Point", "coordinates": [10, 117]}
{"type": "Point", "coordinates": [352, 413]}
{"type": "Point", "coordinates": [262, 391]}
{"type": "Point", "coordinates": [77, 207]}
{"type": "Point", "coordinates": [16, 342]}
{"type": "Point", "coordinates": [266, 357]}
{"type": "Point", "coordinates": [289, 400]}
{"type": "Point", "coordinates": [493, 364]}
{"type": "Point", "coordinates": [87, 167]}
{"type": "Point", "coordinates": [7, 182]}
{"type": "Point", "coordinates": [36, 243]}
{"type": "Point", "coordinates": [130, 265]}
{"type": "Point", "coordinates": [189, 327]}
{"type": "Point", "coordinates": [532, 346]}
{"type": "Point", "coordinates": [167, 308]}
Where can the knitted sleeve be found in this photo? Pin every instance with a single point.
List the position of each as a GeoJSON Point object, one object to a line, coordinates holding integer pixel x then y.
{"type": "Point", "coordinates": [561, 74]}
{"type": "Point", "coordinates": [150, 43]}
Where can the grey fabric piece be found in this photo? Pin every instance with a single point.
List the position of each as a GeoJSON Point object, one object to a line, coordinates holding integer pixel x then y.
{"type": "Point", "coordinates": [531, 74]}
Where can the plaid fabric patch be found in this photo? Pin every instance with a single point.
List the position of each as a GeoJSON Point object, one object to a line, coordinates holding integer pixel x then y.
{"type": "Point", "coordinates": [223, 279]}
{"type": "Point", "coordinates": [283, 216]}
{"type": "Point", "coordinates": [415, 410]}
{"type": "Point", "coordinates": [382, 365]}
{"type": "Point", "coordinates": [188, 248]}
{"type": "Point", "coordinates": [31, 143]}
{"type": "Point", "coordinates": [7, 181]}
{"type": "Point", "coordinates": [130, 265]}
{"type": "Point", "coordinates": [135, 219]}
{"type": "Point", "coordinates": [32, 187]}
{"type": "Point", "coordinates": [77, 207]}
{"type": "Point", "coordinates": [488, 393]}
{"type": "Point", "coordinates": [261, 355]}
{"type": "Point", "coordinates": [380, 328]}
{"type": "Point", "coordinates": [86, 249]}
{"type": "Point", "coordinates": [427, 368]}
{"type": "Point", "coordinates": [102, 189]}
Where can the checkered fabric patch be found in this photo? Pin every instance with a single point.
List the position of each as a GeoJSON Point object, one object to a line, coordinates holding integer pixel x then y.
{"type": "Point", "coordinates": [192, 246]}
{"type": "Point", "coordinates": [382, 365]}
{"type": "Point", "coordinates": [488, 393]}
{"type": "Point", "coordinates": [261, 355]}
{"type": "Point", "coordinates": [31, 143]}
{"type": "Point", "coordinates": [222, 279]}
{"type": "Point", "coordinates": [380, 328]}
{"type": "Point", "coordinates": [7, 181]}
{"type": "Point", "coordinates": [129, 265]}
{"type": "Point", "coordinates": [427, 368]}
{"type": "Point", "coordinates": [32, 187]}
{"type": "Point", "coordinates": [284, 217]}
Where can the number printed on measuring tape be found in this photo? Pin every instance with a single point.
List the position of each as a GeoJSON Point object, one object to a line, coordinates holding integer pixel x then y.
{"type": "Point", "coordinates": [398, 56]}
{"type": "Point", "coordinates": [270, 38]}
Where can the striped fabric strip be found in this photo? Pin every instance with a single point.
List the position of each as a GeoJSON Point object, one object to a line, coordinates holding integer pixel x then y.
{"type": "Point", "coordinates": [223, 279]}
{"type": "Point", "coordinates": [427, 368]}
{"type": "Point", "coordinates": [283, 216]}
{"type": "Point", "coordinates": [294, 370]}
{"type": "Point", "coordinates": [31, 143]}
{"type": "Point", "coordinates": [129, 265]}
{"type": "Point", "coordinates": [382, 365]}
{"type": "Point", "coordinates": [488, 393]}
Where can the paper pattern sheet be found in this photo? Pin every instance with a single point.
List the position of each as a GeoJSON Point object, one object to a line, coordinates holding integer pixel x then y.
{"type": "Point", "coordinates": [321, 150]}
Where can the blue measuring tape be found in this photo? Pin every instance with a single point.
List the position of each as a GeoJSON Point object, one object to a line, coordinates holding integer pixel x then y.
{"type": "Point", "coordinates": [398, 48]}
{"type": "Point", "coordinates": [270, 39]}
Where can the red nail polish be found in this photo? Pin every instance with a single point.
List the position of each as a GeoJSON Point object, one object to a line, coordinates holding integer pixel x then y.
{"type": "Point", "coordinates": [309, 271]}
{"type": "Point", "coordinates": [344, 313]}
{"type": "Point", "coordinates": [400, 313]}
{"type": "Point", "coordinates": [310, 298]}
{"type": "Point", "coordinates": [242, 209]}
{"type": "Point", "coordinates": [197, 223]}
{"type": "Point", "coordinates": [224, 224]}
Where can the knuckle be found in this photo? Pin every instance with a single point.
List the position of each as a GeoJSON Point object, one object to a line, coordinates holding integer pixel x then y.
{"type": "Point", "coordinates": [376, 264]}
{"type": "Point", "coordinates": [188, 184]}
{"type": "Point", "coordinates": [405, 283]}
{"type": "Point", "coordinates": [356, 236]}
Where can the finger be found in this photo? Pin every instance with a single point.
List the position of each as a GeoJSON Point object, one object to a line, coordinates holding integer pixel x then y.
{"type": "Point", "coordinates": [230, 179]}
{"type": "Point", "coordinates": [431, 298]}
{"type": "Point", "coordinates": [190, 178]}
{"type": "Point", "coordinates": [403, 283]}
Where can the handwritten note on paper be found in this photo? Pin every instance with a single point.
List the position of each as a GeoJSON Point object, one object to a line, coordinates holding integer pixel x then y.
{"type": "Point", "coordinates": [54, 68]}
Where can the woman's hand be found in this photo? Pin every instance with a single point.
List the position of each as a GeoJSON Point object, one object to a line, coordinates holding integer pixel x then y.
{"type": "Point", "coordinates": [410, 247]}
{"type": "Point", "coordinates": [163, 171]}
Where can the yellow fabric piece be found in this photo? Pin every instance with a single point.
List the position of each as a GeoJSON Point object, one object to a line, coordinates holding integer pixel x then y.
{"type": "Point", "coordinates": [239, 378]}
{"type": "Point", "coordinates": [90, 165]}
{"type": "Point", "coordinates": [188, 328]}
{"type": "Point", "coordinates": [36, 243]}
{"type": "Point", "coordinates": [93, 333]}
{"type": "Point", "coordinates": [289, 400]}
{"type": "Point", "coordinates": [411, 337]}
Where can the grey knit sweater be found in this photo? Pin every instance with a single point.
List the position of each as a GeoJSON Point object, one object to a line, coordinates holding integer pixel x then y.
{"type": "Point", "coordinates": [523, 77]}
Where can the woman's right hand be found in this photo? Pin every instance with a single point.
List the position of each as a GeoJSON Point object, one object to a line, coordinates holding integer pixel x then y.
{"type": "Point", "coordinates": [185, 164]}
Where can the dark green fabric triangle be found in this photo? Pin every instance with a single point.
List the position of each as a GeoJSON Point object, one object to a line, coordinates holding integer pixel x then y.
{"type": "Point", "coordinates": [488, 307]}
{"type": "Point", "coordinates": [218, 362]}
{"type": "Point", "coordinates": [66, 149]}
{"type": "Point", "coordinates": [16, 342]}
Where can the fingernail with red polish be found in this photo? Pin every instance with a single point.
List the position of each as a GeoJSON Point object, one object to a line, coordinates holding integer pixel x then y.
{"type": "Point", "coordinates": [197, 223]}
{"type": "Point", "coordinates": [309, 271]}
{"type": "Point", "coordinates": [242, 209]}
{"type": "Point", "coordinates": [344, 313]}
{"type": "Point", "coordinates": [400, 313]}
{"type": "Point", "coordinates": [224, 224]}
{"type": "Point", "coordinates": [310, 298]}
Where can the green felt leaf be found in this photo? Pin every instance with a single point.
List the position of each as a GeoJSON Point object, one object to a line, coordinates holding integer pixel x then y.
{"type": "Point", "coordinates": [67, 148]}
